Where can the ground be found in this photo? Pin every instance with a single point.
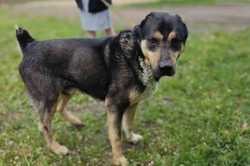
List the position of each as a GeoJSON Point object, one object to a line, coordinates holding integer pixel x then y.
{"type": "Point", "coordinates": [200, 117]}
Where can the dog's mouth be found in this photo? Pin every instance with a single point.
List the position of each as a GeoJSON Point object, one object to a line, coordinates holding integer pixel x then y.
{"type": "Point", "coordinates": [164, 72]}
{"type": "Point", "coordinates": [168, 71]}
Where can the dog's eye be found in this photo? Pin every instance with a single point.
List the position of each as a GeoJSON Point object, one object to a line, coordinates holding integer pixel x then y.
{"type": "Point", "coordinates": [153, 43]}
{"type": "Point", "coordinates": [176, 44]}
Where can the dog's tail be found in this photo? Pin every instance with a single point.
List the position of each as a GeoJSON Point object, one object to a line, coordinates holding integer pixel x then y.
{"type": "Point", "coordinates": [23, 37]}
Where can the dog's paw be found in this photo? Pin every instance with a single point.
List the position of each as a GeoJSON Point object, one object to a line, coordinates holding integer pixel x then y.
{"type": "Point", "coordinates": [120, 161]}
{"type": "Point", "coordinates": [135, 138]}
{"type": "Point", "coordinates": [59, 149]}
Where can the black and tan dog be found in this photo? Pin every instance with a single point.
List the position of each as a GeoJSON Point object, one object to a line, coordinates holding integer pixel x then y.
{"type": "Point", "coordinates": [119, 70]}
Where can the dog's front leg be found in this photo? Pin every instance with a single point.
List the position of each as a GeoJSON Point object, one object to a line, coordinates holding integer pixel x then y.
{"type": "Point", "coordinates": [127, 125]}
{"type": "Point", "coordinates": [114, 132]}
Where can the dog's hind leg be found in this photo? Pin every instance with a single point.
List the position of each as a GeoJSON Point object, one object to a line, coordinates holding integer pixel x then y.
{"type": "Point", "coordinates": [46, 115]}
{"type": "Point", "coordinates": [127, 125]}
{"type": "Point", "coordinates": [44, 91]}
{"type": "Point", "coordinates": [68, 116]}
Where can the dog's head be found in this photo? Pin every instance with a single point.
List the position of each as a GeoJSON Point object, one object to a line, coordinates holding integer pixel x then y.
{"type": "Point", "coordinates": [162, 38]}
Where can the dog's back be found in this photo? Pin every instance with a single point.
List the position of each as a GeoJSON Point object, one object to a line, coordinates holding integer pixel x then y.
{"type": "Point", "coordinates": [51, 67]}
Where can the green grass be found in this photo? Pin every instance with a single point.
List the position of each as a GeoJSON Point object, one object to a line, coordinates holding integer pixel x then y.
{"type": "Point", "coordinates": [200, 117]}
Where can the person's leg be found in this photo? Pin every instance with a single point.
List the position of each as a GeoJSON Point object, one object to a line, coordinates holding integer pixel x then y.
{"type": "Point", "coordinates": [109, 32]}
{"type": "Point", "coordinates": [91, 34]}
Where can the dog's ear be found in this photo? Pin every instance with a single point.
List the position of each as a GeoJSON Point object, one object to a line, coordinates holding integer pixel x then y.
{"type": "Point", "coordinates": [184, 29]}
{"type": "Point", "coordinates": [138, 32]}
{"type": "Point", "coordinates": [150, 15]}
{"type": "Point", "coordinates": [138, 29]}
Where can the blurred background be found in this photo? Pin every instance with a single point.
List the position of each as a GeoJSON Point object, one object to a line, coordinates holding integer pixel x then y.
{"type": "Point", "coordinates": [200, 117]}
{"type": "Point", "coordinates": [201, 16]}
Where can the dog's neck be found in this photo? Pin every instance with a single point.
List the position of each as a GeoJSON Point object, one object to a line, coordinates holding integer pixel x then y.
{"type": "Point", "coordinates": [147, 78]}
{"type": "Point", "coordinates": [146, 74]}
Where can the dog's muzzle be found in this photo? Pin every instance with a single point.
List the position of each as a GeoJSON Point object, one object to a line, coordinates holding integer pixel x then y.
{"type": "Point", "coordinates": [167, 69]}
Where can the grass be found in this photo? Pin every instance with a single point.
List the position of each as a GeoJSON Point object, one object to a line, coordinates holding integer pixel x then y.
{"type": "Point", "coordinates": [198, 118]}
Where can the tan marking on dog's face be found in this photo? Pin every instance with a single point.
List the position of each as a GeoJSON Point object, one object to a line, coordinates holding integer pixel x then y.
{"type": "Point", "coordinates": [158, 35]}
{"type": "Point", "coordinates": [152, 58]}
{"type": "Point", "coordinates": [171, 36]}
{"type": "Point", "coordinates": [174, 54]}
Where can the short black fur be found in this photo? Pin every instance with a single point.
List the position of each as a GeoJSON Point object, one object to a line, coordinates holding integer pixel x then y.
{"type": "Point", "coordinates": [112, 69]}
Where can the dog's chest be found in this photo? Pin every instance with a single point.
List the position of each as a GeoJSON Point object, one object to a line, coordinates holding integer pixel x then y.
{"type": "Point", "coordinates": [146, 77]}
{"type": "Point", "coordinates": [135, 95]}
{"type": "Point", "coordinates": [150, 89]}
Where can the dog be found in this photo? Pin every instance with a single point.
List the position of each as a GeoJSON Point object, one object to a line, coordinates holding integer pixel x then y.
{"type": "Point", "coordinates": [120, 70]}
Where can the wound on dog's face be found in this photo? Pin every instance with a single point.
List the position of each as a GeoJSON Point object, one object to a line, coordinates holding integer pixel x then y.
{"type": "Point", "coordinates": [163, 41]}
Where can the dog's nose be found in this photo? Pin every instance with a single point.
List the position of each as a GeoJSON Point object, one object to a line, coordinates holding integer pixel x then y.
{"type": "Point", "coordinates": [168, 71]}
{"type": "Point", "coordinates": [165, 63]}
{"type": "Point", "coordinates": [167, 68]}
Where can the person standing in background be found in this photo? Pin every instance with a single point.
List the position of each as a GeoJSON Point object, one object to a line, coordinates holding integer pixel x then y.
{"type": "Point", "coordinates": [95, 16]}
